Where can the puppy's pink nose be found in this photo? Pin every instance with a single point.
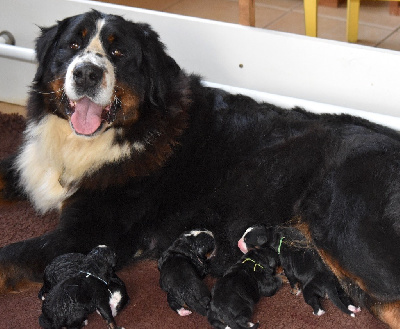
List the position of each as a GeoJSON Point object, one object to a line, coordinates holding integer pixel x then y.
{"type": "Point", "coordinates": [242, 246]}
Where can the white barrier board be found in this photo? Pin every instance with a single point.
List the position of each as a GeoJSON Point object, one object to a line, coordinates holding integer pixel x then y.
{"type": "Point", "coordinates": [304, 70]}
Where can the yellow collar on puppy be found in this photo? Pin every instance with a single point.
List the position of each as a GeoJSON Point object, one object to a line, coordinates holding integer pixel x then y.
{"type": "Point", "coordinates": [255, 263]}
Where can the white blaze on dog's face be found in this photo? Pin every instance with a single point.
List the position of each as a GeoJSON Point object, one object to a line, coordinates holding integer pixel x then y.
{"type": "Point", "coordinates": [89, 85]}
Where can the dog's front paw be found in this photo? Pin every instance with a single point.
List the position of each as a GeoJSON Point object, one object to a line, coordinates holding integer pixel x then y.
{"type": "Point", "coordinates": [14, 279]}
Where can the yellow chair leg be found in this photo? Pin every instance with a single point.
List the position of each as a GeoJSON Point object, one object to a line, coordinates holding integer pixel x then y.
{"type": "Point", "coordinates": [310, 16]}
{"type": "Point", "coordinates": [353, 10]}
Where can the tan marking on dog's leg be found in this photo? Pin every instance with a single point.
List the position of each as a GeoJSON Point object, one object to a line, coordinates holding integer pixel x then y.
{"type": "Point", "coordinates": [14, 280]}
{"type": "Point", "coordinates": [388, 313]}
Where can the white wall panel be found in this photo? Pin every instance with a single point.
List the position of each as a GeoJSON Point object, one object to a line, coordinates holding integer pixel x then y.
{"type": "Point", "coordinates": [298, 67]}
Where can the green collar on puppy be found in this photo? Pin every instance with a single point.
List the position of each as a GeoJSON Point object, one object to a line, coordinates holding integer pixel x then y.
{"type": "Point", "coordinates": [280, 245]}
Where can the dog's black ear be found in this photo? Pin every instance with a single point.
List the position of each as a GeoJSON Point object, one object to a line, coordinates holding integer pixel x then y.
{"type": "Point", "coordinates": [45, 46]}
{"type": "Point", "coordinates": [162, 69]}
{"type": "Point", "coordinates": [44, 41]}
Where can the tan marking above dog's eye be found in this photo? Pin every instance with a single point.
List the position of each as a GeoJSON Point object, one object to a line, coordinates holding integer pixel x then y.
{"type": "Point", "coordinates": [111, 38]}
{"type": "Point", "coordinates": [84, 33]}
{"type": "Point", "coordinates": [74, 45]}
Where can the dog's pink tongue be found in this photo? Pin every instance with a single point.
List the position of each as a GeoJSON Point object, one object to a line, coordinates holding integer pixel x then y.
{"type": "Point", "coordinates": [86, 118]}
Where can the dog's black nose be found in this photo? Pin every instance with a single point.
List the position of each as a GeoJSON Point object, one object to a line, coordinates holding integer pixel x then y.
{"type": "Point", "coordinates": [87, 76]}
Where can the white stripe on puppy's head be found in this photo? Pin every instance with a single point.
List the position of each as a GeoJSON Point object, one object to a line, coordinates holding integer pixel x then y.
{"type": "Point", "coordinates": [197, 232]}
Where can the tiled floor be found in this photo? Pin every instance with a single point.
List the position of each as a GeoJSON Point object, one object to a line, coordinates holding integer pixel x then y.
{"type": "Point", "coordinates": [377, 28]}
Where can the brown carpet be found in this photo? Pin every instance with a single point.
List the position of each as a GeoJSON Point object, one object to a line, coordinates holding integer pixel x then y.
{"type": "Point", "coordinates": [148, 307]}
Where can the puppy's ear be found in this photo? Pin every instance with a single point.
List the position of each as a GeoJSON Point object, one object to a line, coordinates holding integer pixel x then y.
{"type": "Point", "coordinates": [272, 260]}
{"type": "Point", "coordinates": [262, 240]}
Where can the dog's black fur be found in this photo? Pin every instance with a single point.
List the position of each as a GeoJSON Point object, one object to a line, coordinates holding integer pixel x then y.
{"type": "Point", "coordinates": [302, 266]}
{"type": "Point", "coordinates": [69, 265]}
{"type": "Point", "coordinates": [69, 302]}
{"type": "Point", "coordinates": [182, 267]}
{"type": "Point", "coordinates": [165, 150]}
{"type": "Point", "coordinates": [236, 293]}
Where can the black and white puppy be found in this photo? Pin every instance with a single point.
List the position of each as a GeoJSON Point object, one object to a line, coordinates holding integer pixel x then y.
{"type": "Point", "coordinates": [236, 293]}
{"type": "Point", "coordinates": [302, 265]}
{"type": "Point", "coordinates": [182, 267]}
{"type": "Point", "coordinates": [76, 285]}
{"type": "Point", "coordinates": [69, 265]}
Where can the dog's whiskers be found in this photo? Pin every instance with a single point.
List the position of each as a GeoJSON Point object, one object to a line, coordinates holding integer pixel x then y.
{"type": "Point", "coordinates": [118, 102]}
{"type": "Point", "coordinates": [50, 92]}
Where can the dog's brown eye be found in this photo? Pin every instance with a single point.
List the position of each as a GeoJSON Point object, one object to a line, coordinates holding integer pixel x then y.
{"type": "Point", "coordinates": [117, 53]}
{"type": "Point", "coordinates": [74, 46]}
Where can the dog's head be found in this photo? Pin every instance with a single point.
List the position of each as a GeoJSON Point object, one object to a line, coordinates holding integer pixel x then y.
{"type": "Point", "coordinates": [98, 70]}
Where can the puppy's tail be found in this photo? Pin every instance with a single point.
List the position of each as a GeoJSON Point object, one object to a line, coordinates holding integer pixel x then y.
{"type": "Point", "coordinates": [333, 295]}
{"type": "Point", "coordinates": [241, 322]}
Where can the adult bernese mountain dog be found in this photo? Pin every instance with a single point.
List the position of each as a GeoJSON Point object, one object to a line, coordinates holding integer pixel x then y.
{"type": "Point", "coordinates": [133, 151]}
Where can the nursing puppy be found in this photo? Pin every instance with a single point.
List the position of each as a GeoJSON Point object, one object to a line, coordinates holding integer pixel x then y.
{"type": "Point", "coordinates": [71, 301]}
{"type": "Point", "coordinates": [76, 285]}
{"type": "Point", "coordinates": [68, 265]}
{"type": "Point", "coordinates": [182, 268]}
{"type": "Point", "coordinates": [302, 265]}
{"type": "Point", "coordinates": [236, 293]}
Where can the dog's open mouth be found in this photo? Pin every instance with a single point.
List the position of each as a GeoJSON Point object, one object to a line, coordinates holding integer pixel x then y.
{"type": "Point", "coordinates": [88, 118]}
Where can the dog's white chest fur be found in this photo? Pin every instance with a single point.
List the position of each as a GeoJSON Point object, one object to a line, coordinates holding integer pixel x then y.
{"type": "Point", "coordinates": [54, 159]}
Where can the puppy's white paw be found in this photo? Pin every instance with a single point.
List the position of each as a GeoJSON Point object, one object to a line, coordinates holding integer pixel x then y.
{"type": "Point", "coordinates": [353, 309]}
{"type": "Point", "coordinates": [183, 312]}
{"type": "Point", "coordinates": [319, 313]}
